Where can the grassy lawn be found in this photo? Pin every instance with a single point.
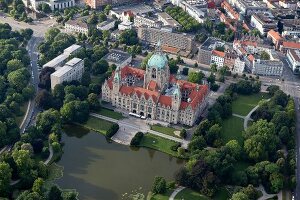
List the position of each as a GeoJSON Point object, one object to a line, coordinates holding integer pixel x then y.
{"type": "Point", "coordinates": [232, 129]}
{"type": "Point", "coordinates": [162, 196]}
{"type": "Point", "coordinates": [98, 125]}
{"type": "Point", "coordinates": [222, 194]}
{"type": "Point", "coordinates": [188, 194]}
{"type": "Point", "coordinates": [245, 103]}
{"type": "Point", "coordinates": [110, 113]}
{"type": "Point", "coordinates": [23, 109]}
{"type": "Point", "coordinates": [158, 143]}
{"type": "Point", "coordinates": [165, 130]}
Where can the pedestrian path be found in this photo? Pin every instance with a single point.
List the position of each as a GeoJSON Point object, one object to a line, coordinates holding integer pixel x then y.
{"type": "Point", "coordinates": [136, 128]}
{"type": "Point", "coordinates": [176, 191]}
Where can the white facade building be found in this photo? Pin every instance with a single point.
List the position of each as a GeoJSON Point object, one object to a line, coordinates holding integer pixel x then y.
{"type": "Point", "coordinates": [263, 23]}
{"type": "Point", "coordinates": [76, 26]}
{"type": "Point", "coordinates": [72, 70]}
{"type": "Point", "coordinates": [293, 58]}
{"type": "Point", "coordinates": [142, 20]}
{"type": "Point", "coordinates": [267, 67]}
{"type": "Point", "coordinates": [239, 66]}
{"type": "Point", "coordinates": [106, 25]}
{"type": "Point", "coordinates": [218, 58]}
{"type": "Point", "coordinates": [125, 25]}
{"type": "Point", "coordinates": [195, 8]}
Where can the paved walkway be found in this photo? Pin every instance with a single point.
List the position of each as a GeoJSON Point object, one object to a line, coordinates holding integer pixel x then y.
{"type": "Point", "coordinates": [136, 126]}
{"type": "Point", "coordinates": [176, 191]}
{"type": "Point", "coordinates": [239, 116]}
{"type": "Point", "coordinates": [50, 155]}
{"type": "Point", "coordinates": [265, 195]}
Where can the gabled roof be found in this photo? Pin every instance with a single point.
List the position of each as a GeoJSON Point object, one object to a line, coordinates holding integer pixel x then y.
{"type": "Point", "coordinates": [274, 35]}
{"type": "Point", "coordinates": [251, 58]}
{"type": "Point", "coordinates": [127, 70]}
{"type": "Point", "coordinates": [218, 53]}
{"type": "Point", "coordinates": [165, 100]}
{"type": "Point", "coordinates": [292, 45]}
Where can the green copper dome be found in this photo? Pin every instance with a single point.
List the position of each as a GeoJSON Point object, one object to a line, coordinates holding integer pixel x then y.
{"type": "Point", "coordinates": [158, 60]}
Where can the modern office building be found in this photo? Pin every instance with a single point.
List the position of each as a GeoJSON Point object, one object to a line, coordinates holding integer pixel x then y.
{"type": "Point", "coordinates": [267, 67]}
{"type": "Point", "coordinates": [293, 58]}
{"type": "Point", "coordinates": [118, 58]}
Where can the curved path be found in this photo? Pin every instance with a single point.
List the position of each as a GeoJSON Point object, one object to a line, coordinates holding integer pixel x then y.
{"type": "Point", "coordinates": [176, 191]}
{"type": "Point", "coordinates": [50, 155]}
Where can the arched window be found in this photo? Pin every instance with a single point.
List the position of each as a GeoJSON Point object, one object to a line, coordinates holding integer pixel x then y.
{"type": "Point", "coordinates": [153, 73]}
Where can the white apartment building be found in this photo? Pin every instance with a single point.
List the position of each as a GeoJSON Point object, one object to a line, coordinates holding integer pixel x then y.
{"type": "Point", "coordinates": [167, 20]}
{"type": "Point", "coordinates": [76, 26]}
{"type": "Point", "coordinates": [61, 59]}
{"type": "Point", "coordinates": [263, 23]}
{"type": "Point", "coordinates": [250, 7]}
{"type": "Point", "coordinates": [288, 4]}
{"type": "Point", "coordinates": [267, 67]}
{"type": "Point", "coordinates": [72, 70]}
{"type": "Point", "coordinates": [293, 58]}
{"type": "Point", "coordinates": [125, 25]}
{"type": "Point", "coordinates": [54, 4]}
{"type": "Point", "coordinates": [218, 58]}
{"type": "Point", "coordinates": [239, 66]}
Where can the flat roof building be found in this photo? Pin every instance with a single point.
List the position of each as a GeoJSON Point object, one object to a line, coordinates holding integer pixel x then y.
{"type": "Point", "coordinates": [205, 50]}
{"type": "Point", "coordinates": [293, 58]}
{"type": "Point", "coordinates": [118, 58]}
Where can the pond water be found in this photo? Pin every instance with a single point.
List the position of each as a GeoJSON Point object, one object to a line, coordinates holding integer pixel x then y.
{"type": "Point", "coordinates": [101, 170]}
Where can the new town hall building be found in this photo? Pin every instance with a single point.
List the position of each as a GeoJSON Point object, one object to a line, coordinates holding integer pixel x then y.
{"type": "Point", "coordinates": [154, 93]}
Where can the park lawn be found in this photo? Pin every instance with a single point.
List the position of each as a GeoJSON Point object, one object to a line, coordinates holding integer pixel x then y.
{"type": "Point", "coordinates": [190, 195]}
{"type": "Point", "coordinates": [232, 129]}
{"type": "Point", "coordinates": [110, 113]}
{"type": "Point", "coordinates": [23, 109]}
{"type": "Point", "coordinates": [98, 125]}
{"type": "Point", "coordinates": [164, 196]}
{"type": "Point", "coordinates": [164, 130]}
{"type": "Point", "coordinates": [245, 103]}
{"type": "Point", "coordinates": [158, 143]}
{"type": "Point", "coordinates": [221, 194]}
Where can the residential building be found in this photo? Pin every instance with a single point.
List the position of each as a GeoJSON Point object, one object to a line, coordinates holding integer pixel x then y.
{"type": "Point", "coordinates": [106, 25]}
{"type": "Point", "coordinates": [239, 65]}
{"type": "Point", "coordinates": [275, 37]}
{"type": "Point", "coordinates": [263, 23]}
{"type": "Point", "coordinates": [217, 57]}
{"type": "Point", "coordinates": [72, 70]}
{"type": "Point", "coordinates": [291, 27]}
{"type": "Point", "coordinates": [267, 67]}
{"type": "Point", "coordinates": [230, 11]}
{"type": "Point", "coordinates": [182, 42]}
{"type": "Point", "coordinates": [61, 59]}
{"type": "Point", "coordinates": [167, 20]}
{"type": "Point", "coordinates": [293, 58]}
{"type": "Point", "coordinates": [54, 4]}
{"type": "Point", "coordinates": [205, 50]}
{"type": "Point", "coordinates": [290, 4]}
{"type": "Point", "coordinates": [286, 45]}
{"type": "Point", "coordinates": [250, 7]}
{"type": "Point", "coordinates": [154, 93]}
{"type": "Point", "coordinates": [76, 26]}
{"type": "Point", "coordinates": [229, 59]}
{"type": "Point", "coordinates": [118, 58]}
{"type": "Point", "coordinates": [143, 20]}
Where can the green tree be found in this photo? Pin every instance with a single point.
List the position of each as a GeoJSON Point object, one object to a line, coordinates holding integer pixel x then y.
{"type": "Point", "coordinates": [51, 34]}
{"type": "Point", "coordinates": [264, 55]}
{"type": "Point", "coordinates": [159, 186]}
{"type": "Point", "coordinates": [100, 67]}
{"type": "Point", "coordinates": [14, 64]}
{"type": "Point", "coordinates": [5, 177]}
{"type": "Point", "coordinates": [38, 186]}
{"type": "Point", "coordinates": [196, 77]}
{"type": "Point", "coordinates": [55, 193]}
{"type": "Point", "coordinates": [19, 78]}
{"type": "Point", "coordinates": [94, 101]}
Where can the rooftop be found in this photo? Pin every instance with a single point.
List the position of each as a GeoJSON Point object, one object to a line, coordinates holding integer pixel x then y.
{"type": "Point", "coordinates": [211, 43]}
{"type": "Point", "coordinates": [172, 22]}
{"type": "Point", "coordinates": [71, 49]}
{"type": "Point", "coordinates": [73, 62]}
{"type": "Point", "coordinates": [62, 71]}
{"type": "Point", "coordinates": [116, 56]}
{"type": "Point", "coordinates": [78, 22]}
{"type": "Point", "coordinates": [57, 60]}
{"type": "Point", "coordinates": [108, 21]}
{"type": "Point", "coordinates": [295, 54]}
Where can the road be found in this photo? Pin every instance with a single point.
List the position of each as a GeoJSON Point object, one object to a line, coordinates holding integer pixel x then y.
{"type": "Point", "coordinates": [145, 129]}
{"type": "Point", "coordinates": [39, 29]}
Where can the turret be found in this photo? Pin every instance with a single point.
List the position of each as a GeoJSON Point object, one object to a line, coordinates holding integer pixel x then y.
{"type": "Point", "coordinates": [176, 98]}
{"type": "Point", "coordinates": [117, 80]}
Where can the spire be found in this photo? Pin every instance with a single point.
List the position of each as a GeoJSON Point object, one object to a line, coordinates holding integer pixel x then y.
{"type": "Point", "coordinates": [117, 74]}
{"type": "Point", "coordinates": [158, 46]}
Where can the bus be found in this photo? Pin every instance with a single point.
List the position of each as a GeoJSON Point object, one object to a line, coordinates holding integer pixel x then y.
{"type": "Point", "coordinates": [134, 115]}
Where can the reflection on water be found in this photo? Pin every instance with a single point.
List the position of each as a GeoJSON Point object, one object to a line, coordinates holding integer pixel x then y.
{"type": "Point", "coordinates": [101, 170]}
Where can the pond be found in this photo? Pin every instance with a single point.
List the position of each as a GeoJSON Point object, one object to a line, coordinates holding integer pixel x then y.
{"type": "Point", "coordinates": [102, 170]}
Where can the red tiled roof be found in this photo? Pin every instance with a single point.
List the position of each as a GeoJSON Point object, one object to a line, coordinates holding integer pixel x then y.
{"type": "Point", "coordinates": [196, 97]}
{"type": "Point", "coordinates": [186, 85]}
{"type": "Point", "coordinates": [169, 49]}
{"type": "Point", "coordinates": [226, 5]}
{"type": "Point", "coordinates": [291, 45]}
{"type": "Point", "coordinates": [245, 26]}
{"type": "Point", "coordinates": [249, 43]}
{"type": "Point", "coordinates": [130, 90]}
{"type": "Point", "coordinates": [152, 85]}
{"type": "Point", "coordinates": [173, 78]}
{"type": "Point", "coordinates": [218, 53]}
{"type": "Point", "coordinates": [165, 100]}
{"type": "Point", "coordinates": [274, 35]}
{"type": "Point", "coordinates": [125, 71]}
{"type": "Point", "coordinates": [251, 58]}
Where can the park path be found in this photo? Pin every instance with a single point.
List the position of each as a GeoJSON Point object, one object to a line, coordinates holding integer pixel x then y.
{"type": "Point", "coordinates": [175, 192]}
{"type": "Point", "coordinates": [265, 195]}
{"type": "Point", "coordinates": [134, 127]}
{"type": "Point", "coordinates": [50, 155]}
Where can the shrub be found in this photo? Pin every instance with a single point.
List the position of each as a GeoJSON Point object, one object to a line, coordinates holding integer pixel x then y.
{"type": "Point", "coordinates": [175, 146]}
{"type": "Point", "coordinates": [159, 185]}
{"type": "Point", "coordinates": [113, 129]}
{"type": "Point", "coordinates": [136, 139]}
{"type": "Point", "coordinates": [214, 87]}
